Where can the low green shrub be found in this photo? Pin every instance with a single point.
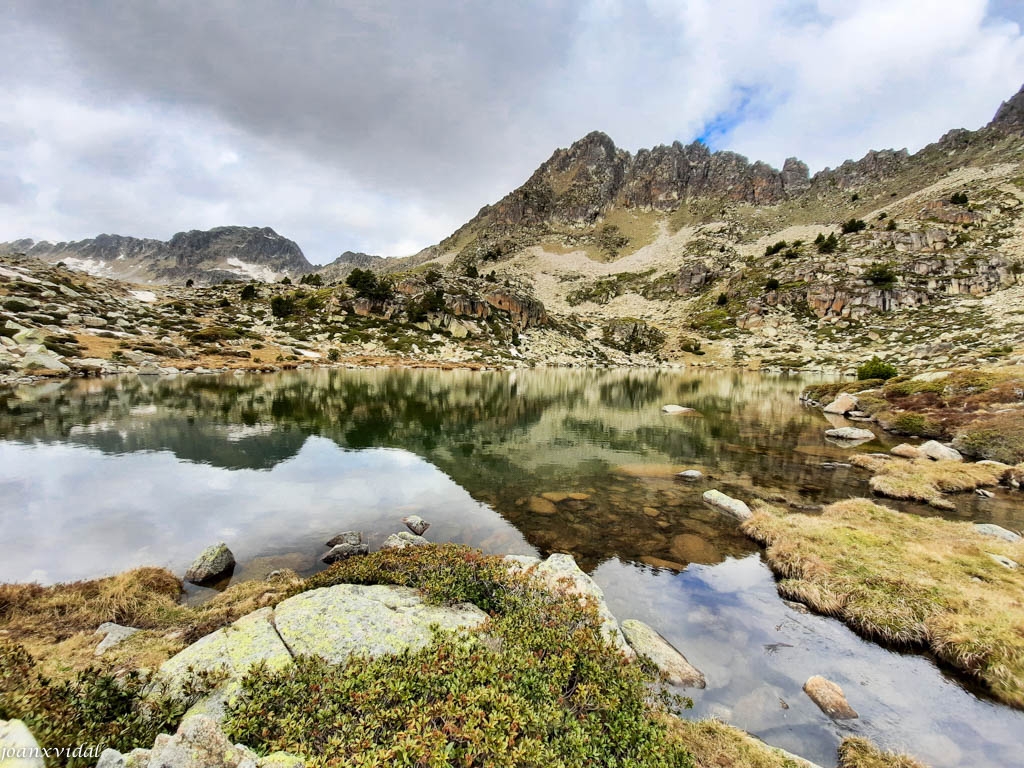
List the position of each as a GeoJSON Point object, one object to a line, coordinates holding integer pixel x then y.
{"type": "Point", "coordinates": [853, 225]}
{"type": "Point", "coordinates": [538, 685]}
{"type": "Point", "coordinates": [876, 368]}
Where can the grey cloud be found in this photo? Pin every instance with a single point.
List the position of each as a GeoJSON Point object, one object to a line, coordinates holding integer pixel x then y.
{"type": "Point", "coordinates": [15, 191]}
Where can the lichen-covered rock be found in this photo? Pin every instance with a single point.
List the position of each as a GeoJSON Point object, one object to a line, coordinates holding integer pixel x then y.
{"type": "Point", "coordinates": [336, 622]}
{"type": "Point", "coordinates": [647, 642]}
{"type": "Point", "coordinates": [345, 545]}
{"type": "Point", "coordinates": [200, 743]}
{"type": "Point", "coordinates": [213, 562]}
{"type": "Point", "coordinates": [727, 504]}
{"type": "Point", "coordinates": [231, 650]}
{"type": "Point", "coordinates": [830, 698]}
{"type": "Point", "coordinates": [561, 573]}
{"type": "Point", "coordinates": [18, 747]}
{"type": "Point", "coordinates": [403, 539]}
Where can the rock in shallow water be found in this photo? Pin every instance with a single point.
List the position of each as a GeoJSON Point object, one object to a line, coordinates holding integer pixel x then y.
{"type": "Point", "coordinates": [344, 551]}
{"type": "Point", "coordinates": [674, 409]}
{"type": "Point", "coordinates": [691, 475]}
{"type": "Point", "coordinates": [647, 642]}
{"type": "Point", "coordinates": [416, 524]}
{"type": "Point", "coordinates": [402, 540]}
{"type": "Point", "coordinates": [842, 404]}
{"type": "Point", "coordinates": [727, 504]}
{"type": "Point", "coordinates": [212, 563]}
{"type": "Point", "coordinates": [850, 433]}
{"type": "Point", "coordinates": [830, 698]}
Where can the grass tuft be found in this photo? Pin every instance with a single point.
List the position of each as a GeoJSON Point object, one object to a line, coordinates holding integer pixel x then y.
{"type": "Point", "coordinates": [907, 581]}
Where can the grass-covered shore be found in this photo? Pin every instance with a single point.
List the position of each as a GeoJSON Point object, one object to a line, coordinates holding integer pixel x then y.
{"type": "Point", "coordinates": [908, 581]}
{"type": "Point", "coordinates": [538, 684]}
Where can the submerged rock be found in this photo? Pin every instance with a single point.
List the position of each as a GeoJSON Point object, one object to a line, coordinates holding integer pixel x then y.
{"type": "Point", "coordinates": [402, 540]}
{"type": "Point", "coordinates": [647, 642]}
{"type": "Point", "coordinates": [416, 524]}
{"type": "Point", "coordinates": [17, 741]}
{"type": "Point", "coordinates": [541, 506]}
{"type": "Point", "coordinates": [727, 504]}
{"type": "Point", "coordinates": [114, 634]}
{"type": "Point", "coordinates": [830, 698]}
{"type": "Point", "coordinates": [213, 562]}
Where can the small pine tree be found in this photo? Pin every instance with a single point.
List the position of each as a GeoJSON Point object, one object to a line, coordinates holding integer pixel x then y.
{"type": "Point", "coordinates": [828, 244]}
{"type": "Point", "coordinates": [189, 283]}
{"type": "Point", "coordinates": [248, 292]}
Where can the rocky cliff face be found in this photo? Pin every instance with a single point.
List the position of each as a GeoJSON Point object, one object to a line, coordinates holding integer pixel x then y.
{"type": "Point", "coordinates": [1010, 115]}
{"type": "Point", "coordinates": [579, 184]}
{"type": "Point", "coordinates": [210, 256]}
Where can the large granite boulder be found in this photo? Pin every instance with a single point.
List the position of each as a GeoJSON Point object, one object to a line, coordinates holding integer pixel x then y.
{"type": "Point", "coordinates": [332, 623]}
{"type": "Point", "coordinates": [647, 642]}
{"type": "Point", "coordinates": [337, 622]}
{"type": "Point", "coordinates": [231, 650]}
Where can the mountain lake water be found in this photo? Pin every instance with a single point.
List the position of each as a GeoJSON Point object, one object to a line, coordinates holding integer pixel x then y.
{"type": "Point", "coordinates": [99, 476]}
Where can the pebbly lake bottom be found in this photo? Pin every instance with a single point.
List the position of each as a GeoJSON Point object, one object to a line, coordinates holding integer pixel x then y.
{"type": "Point", "coordinates": [100, 476]}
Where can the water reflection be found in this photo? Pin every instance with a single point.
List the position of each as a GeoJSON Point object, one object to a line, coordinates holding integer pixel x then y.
{"type": "Point", "coordinates": [98, 476]}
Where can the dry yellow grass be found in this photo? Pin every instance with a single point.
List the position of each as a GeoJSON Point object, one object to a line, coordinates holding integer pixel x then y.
{"type": "Point", "coordinates": [908, 581]}
{"type": "Point", "coordinates": [926, 480]}
{"type": "Point", "coordinates": [714, 744]}
{"type": "Point", "coordinates": [860, 753]}
{"type": "Point", "coordinates": [57, 624]}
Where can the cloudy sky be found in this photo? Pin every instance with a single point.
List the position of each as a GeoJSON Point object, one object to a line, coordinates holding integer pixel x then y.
{"type": "Point", "coordinates": [382, 125]}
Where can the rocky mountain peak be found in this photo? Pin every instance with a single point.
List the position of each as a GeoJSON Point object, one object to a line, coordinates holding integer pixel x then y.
{"type": "Point", "coordinates": [1010, 114]}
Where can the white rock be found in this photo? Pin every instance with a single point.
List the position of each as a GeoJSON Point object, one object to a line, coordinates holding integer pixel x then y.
{"type": "Point", "coordinates": [647, 642]}
{"type": "Point", "coordinates": [17, 741]}
{"type": "Point", "coordinates": [844, 403]}
{"type": "Point", "coordinates": [990, 529]}
{"type": "Point", "coordinates": [850, 434]}
{"type": "Point", "coordinates": [674, 409]}
{"type": "Point", "coordinates": [727, 504]}
{"type": "Point", "coordinates": [114, 634]}
{"type": "Point", "coordinates": [936, 451]}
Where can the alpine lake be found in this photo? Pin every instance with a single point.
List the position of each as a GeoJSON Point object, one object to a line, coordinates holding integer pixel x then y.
{"type": "Point", "coordinates": [98, 476]}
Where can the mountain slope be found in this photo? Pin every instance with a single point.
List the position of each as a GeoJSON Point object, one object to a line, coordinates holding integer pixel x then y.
{"type": "Point", "coordinates": [211, 256]}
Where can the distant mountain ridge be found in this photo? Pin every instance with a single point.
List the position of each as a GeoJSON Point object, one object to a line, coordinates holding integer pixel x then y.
{"type": "Point", "coordinates": [205, 256]}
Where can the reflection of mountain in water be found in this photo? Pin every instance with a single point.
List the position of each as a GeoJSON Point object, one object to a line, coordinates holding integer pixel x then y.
{"type": "Point", "coordinates": [504, 437]}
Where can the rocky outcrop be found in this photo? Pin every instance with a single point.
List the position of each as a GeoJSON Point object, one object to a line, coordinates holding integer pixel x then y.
{"type": "Point", "coordinates": [198, 743]}
{"type": "Point", "coordinates": [632, 335]}
{"type": "Point", "coordinates": [331, 623]}
{"type": "Point", "coordinates": [525, 311]}
{"type": "Point", "coordinates": [1010, 115]}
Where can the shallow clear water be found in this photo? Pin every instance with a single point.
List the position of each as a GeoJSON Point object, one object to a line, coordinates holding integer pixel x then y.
{"type": "Point", "coordinates": [100, 476]}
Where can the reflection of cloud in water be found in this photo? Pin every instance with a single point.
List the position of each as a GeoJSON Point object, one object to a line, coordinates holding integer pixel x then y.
{"type": "Point", "coordinates": [729, 623]}
{"type": "Point", "coordinates": [73, 513]}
